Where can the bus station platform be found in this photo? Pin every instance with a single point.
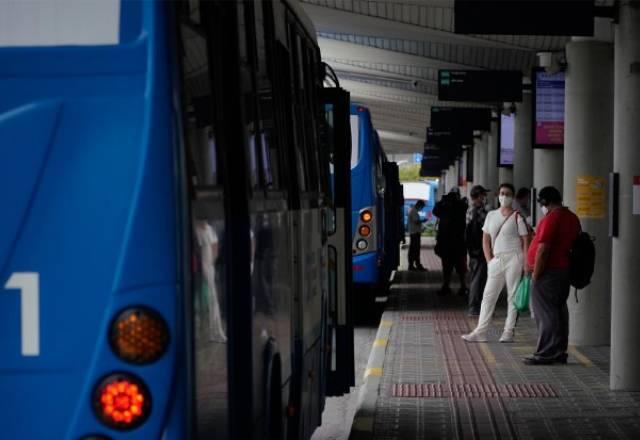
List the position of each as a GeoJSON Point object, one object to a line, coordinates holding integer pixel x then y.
{"type": "Point", "coordinates": [423, 381]}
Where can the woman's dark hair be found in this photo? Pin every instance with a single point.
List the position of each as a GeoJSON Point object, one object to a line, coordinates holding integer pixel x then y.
{"type": "Point", "coordinates": [523, 192]}
{"type": "Point", "coordinates": [549, 195]}
{"type": "Point", "coordinates": [508, 186]}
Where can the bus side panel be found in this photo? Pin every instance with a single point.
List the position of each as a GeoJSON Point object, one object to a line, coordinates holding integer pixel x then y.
{"type": "Point", "coordinates": [363, 186]}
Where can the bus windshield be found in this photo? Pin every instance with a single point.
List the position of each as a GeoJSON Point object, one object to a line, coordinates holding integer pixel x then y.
{"type": "Point", "coordinates": [59, 23]}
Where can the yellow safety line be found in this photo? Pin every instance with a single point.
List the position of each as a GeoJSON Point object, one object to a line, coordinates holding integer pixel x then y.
{"type": "Point", "coordinates": [386, 323]}
{"type": "Point", "coordinates": [380, 342]}
{"type": "Point", "coordinates": [524, 349]}
{"type": "Point", "coordinates": [376, 372]}
{"type": "Point", "coordinates": [487, 353]}
{"type": "Point", "coordinates": [363, 424]}
{"type": "Point", "coordinates": [581, 358]}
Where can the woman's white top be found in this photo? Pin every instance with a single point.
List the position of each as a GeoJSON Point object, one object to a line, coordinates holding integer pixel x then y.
{"type": "Point", "coordinates": [509, 240]}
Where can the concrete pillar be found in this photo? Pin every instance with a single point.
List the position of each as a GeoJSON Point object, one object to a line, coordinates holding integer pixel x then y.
{"type": "Point", "coordinates": [588, 159]}
{"type": "Point", "coordinates": [547, 171]}
{"type": "Point", "coordinates": [463, 171]}
{"type": "Point", "coordinates": [452, 177]}
{"type": "Point", "coordinates": [523, 150]}
{"type": "Point", "coordinates": [480, 160]}
{"type": "Point", "coordinates": [505, 175]}
{"type": "Point", "coordinates": [492, 165]}
{"type": "Point", "coordinates": [625, 276]}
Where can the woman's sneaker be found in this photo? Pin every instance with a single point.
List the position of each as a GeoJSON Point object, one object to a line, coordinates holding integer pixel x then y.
{"type": "Point", "coordinates": [474, 337]}
{"type": "Point", "coordinates": [507, 336]}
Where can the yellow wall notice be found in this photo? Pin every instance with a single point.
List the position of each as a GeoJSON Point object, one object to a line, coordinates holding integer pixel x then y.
{"type": "Point", "coordinates": [591, 196]}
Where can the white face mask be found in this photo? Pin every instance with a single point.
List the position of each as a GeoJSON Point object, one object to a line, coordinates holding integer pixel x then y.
{"type": "Point", "coordinates": [505, 201]}
{"type": "Point", "coordinates": [544, 210]}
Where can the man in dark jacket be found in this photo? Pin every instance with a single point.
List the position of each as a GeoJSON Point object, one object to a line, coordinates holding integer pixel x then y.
{"type": "Point", "coordinates": [476, 215]}
{"type": "Point", "coordinates": [450, 243]}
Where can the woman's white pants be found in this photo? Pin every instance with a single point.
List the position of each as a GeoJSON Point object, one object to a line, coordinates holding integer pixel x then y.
{"type": "Point", "coordinates": [504, 268]}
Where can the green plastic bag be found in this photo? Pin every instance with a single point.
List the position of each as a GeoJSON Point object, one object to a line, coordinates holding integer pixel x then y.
{"type": "Point", "coordinates": [521, 301]}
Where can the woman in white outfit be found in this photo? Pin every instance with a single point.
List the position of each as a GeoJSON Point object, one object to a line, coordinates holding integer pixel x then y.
{"type": "Point", "coordinates": [505, 242]}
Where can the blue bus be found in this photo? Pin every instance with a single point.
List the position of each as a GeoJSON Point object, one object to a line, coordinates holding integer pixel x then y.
{"type": "Point", "coordinates": [165, 248]}
{"type": "Point", "coordinates": [376, 233]}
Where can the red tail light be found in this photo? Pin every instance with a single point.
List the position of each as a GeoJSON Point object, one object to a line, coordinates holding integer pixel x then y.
{"type": "Point", "coordinates": [122, 401]}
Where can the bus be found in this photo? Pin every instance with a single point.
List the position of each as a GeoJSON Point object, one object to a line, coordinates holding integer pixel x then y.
{"type": "Point", "coordinates": [166, 254]}
{"type": "Point", "coordinates": [375, 244]}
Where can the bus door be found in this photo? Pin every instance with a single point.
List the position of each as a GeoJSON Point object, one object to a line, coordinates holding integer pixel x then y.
{"type": "Point", "coordinates": [393, 196]}
{"type": "Point", "coordinates": [338, 142]}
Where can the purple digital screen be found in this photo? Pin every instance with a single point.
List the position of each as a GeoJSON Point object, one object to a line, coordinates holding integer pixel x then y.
{"type": "Point", "coordinates": [549, 105]}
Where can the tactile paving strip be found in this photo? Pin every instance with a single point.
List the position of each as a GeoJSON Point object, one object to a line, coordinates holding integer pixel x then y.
{"type": "Point", "coordinates": [466, 390]}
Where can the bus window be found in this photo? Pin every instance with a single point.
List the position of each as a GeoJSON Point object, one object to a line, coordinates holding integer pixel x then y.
{"type": "Point", "coordinates": [207, 299]}
{"type": "Point", "coordinates": [355, 140]}
{"type": "Point", "coordinates": [78, 23]}
{"type": "Point", "coordinates": [265, 80]}
{"type": "Point", "coordinates": [249, 62]}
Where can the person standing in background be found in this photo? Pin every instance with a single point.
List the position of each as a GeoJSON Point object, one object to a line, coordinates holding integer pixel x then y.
{"type": "Point", "coordinates": [450, 243]}
{"type": "Point", "coordinates": [549, 261]}
{"type": "Point", "coordinates": [523, 202]}
{"type": "Point", "coordinates": [505, 244]}
{"type": "Point", "coordinates": [415, 236]}
{"type": "Point", "coordinates": [476, 215]}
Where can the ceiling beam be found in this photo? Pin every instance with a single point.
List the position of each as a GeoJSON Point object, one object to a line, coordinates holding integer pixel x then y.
{"type": "Point", "coordinates": [400, 137]}
{"type": "Point", "coordinates": [332, 20]}
{"type": "Point", "coordinates": [341, 66]}
{"type": "Point", "coordinates": [344, 50]}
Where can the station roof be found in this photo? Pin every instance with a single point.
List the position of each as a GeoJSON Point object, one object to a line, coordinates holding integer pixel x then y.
{"type": "Point", "coordinates": [387, 54]}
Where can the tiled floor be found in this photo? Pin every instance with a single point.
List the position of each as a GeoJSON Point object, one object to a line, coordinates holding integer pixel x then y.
{"type": "Point", "coordinates": [425, 349]}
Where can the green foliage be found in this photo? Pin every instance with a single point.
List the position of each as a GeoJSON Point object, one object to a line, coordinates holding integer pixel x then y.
{"type": "Point", "coordinates": [409, 172]}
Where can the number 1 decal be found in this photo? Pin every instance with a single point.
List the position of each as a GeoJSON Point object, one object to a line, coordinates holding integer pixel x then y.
{"type": "Point", "coordinates": [29, 285]}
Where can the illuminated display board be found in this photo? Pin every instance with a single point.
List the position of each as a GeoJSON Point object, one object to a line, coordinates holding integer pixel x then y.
{"type": "Point", "coordinates": [507, 140]}
{"type": "Point", "coordinates": [548, 106]}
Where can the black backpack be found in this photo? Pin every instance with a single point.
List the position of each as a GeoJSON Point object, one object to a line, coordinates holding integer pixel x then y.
{"type": "Point", "coordinates": [582, 259]}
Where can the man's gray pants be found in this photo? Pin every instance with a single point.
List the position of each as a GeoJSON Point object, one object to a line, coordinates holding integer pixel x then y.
{"type": "Point", "coordinates": [478, 275]}
{"type": "Point", "coordinates": [549, 302]}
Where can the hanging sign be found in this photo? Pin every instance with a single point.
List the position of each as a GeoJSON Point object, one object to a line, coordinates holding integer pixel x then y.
{"type": "Point", "coordinates": [591, 196]}
{"type": "Point", "coordinates": [636, 195]}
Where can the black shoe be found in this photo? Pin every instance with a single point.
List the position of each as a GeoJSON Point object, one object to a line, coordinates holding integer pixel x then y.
{"type": "Point", "coordinates": [421, 268]}
{"type": "Point", "coordinates": [413, 268]}
{"type": "Point", "coordinates": [473, 313]}
{"type": "Point", "coordinates": [444, 291]}
{"type": "Point", "coordinates": [463, 291]}
{"type": "Point", "coordinates": [561, 358]}
{"type": "Point", "coordinates": [536, 360]}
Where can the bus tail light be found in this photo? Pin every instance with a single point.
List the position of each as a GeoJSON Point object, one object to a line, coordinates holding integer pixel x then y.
{"type": "Point", "coordinates": [139, 335]}
{"type": "Point", "coordinates": [122, 401]}
{"type": "Point", "coordinates": [366, 216]}
{"type": "Point", "coordinates": [362, 245]}
{"type": "Point", "coordinates": [364, 230]}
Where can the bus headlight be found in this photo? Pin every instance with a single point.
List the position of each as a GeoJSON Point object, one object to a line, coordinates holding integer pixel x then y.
{"type": "Point", "coordinates": [362, 244]}
{"type": "Point", "coordinates": [122, 401]}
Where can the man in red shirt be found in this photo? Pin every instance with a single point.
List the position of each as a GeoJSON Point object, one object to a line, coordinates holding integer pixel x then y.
{"type": "Point", "coordinates": [548, 258]}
